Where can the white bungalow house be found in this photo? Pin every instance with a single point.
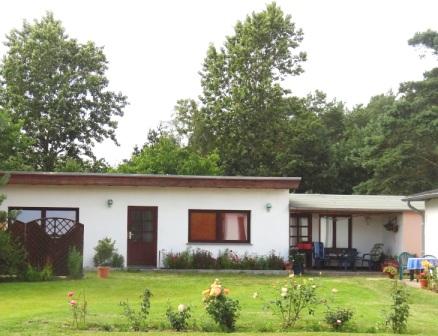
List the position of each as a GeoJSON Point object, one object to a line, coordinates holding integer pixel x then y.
{"type": "Point", "coordinates": [430, 199]}
{"type": "Point", "coordinates": [151, 214]}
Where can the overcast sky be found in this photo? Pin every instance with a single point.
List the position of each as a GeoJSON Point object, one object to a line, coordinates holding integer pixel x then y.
{"type": "Point", "coordinates": [356, 49]}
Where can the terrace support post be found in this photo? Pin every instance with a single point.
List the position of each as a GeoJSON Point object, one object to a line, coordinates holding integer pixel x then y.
{"type": "Point", "coordinates": [421, 213]}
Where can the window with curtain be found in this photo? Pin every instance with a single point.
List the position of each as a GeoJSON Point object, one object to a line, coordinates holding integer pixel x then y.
{"type": "Point", "coordinates": [335, 231]}
{"type": "Point", "coordinates": [219, 226]}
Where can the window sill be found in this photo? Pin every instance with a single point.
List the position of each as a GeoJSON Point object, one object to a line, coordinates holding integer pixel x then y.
{"type": "Point", "coordinates": [217, 243]}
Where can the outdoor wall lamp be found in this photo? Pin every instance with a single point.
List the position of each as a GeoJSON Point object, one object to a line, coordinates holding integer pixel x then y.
{"type": "Point", "coordinates": [109, 203]}
{"type": "Point", "coordinates": [268, 207]}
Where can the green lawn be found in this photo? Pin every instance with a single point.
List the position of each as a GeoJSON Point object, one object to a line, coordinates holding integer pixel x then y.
{"type": "Point", "coordinates": [41, 308]}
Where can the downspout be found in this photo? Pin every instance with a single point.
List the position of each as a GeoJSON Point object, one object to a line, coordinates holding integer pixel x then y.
{"type": "Point", "coordinates": [421, 213]}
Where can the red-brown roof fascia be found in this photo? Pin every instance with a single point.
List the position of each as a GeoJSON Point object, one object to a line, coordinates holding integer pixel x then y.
{"type": "Point", "coordinates": [138, 180]}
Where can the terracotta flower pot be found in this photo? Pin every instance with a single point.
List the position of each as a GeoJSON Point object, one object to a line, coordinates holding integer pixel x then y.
{"type": "Point", "coordinates": [103, 272]}
{"type": "Point", "coordinates": [423, 283]}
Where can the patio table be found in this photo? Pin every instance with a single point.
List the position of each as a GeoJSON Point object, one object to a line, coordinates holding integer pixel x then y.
{"type": "Point", "coordinates": [414, 264]}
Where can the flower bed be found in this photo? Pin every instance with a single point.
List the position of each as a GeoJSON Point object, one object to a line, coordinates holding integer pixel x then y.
{"type": "Point", "coordinates": [227, 259]}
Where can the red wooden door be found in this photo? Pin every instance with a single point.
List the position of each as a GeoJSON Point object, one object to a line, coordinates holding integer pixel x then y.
{"type": "Point", "coordinates": [142, 236]}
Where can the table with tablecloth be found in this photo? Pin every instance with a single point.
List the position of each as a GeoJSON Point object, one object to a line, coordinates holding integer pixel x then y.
{"type": "Point", "coordinates": [415, 264]}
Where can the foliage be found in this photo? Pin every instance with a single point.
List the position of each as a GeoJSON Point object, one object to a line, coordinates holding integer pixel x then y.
{"type": "Point", "coordinates": [78, 307]}
{"type": "Point", "coordinates": [202, 259]}
{"type": "Point", "coordinates": [226, 259]}
{"type": "Point", "coordinates": [338, 317]}
{"type": "Point", "coordinates": [274, 262]}
{"type": "Point", "coordinates": [179, 260]}
{"type": "Point", "coordinates": [390, 270]}
{"type": "Point", "coordinates": [220, 307]}
{"type": "Point", "coordinates": [167, 156]}
{"type": "Point", "coordinates": [32, 274]}
{"type": "Point", "coordinates": [12, 143]}
{"type": "Point", "coordinates": [178, 319]}
{"type": "Point", "coordinates": [294, 296]}
{"type": "Point", "coordinates": [12, 255]}
{"type": "Point", "coordinates": [397, 317]}
{"type": "Point", "coordinates": [106, 254]}
{"type": "Point", "coordinates": [296, 256]}
{"type": "Point", "coordinates": [427, 39]}
{"type": "Point", "coordinates": [399, 142]}
{"type": "Point", "coordinates": [138, 319]}
{"type": "Point", "coordinates": [117, 260]}
{"type": "Point", "coordinates": [81, 165]}
{"type": "Point", "coordinates": [240, 110]}
{"type": "Point", "coordinates": [57, 89]}
{"type": "Point", "coordinates": [74, 263]}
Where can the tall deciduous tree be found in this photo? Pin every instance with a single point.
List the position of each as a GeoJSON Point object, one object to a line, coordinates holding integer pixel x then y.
{"type": "Point", "coordinates": [57, 88]}
{"type": "Point", "coordinates": [163, 154]}
{"type": "Point", "coordinates": [240, 113]}
{"type": "Point", "coordinates": [12, 144]}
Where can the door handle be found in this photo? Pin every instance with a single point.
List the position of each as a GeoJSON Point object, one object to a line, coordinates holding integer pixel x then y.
{"type": "Point", "coordinates": [130, 235]}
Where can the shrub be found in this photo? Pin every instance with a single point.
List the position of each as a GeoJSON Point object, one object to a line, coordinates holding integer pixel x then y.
{"type": "Point", "coordinates": [248, 262]}
{"type": "Point", "coordinates": [178, 319]}
{"type": "Point", "coordinates": [227, 260]}
{"type": "Point", "coordinates": [74, 263]}
{"type": "Point", "coordinates": [221, 308]}
{"type": "Point", "coordinates": [106, 254]}
{"type": "Point", "coordinates": [137, 319]}
{"type": "Point", "coordinates": [32, 274]}
{"type": "Point", "coordinates": [202, 259]}
{"type": "Point", "coordinates": [274, 262]}
{"type": "Point", "coordinates": [181, 260]}
{"type": "Point", "coordinates": [117, 260]}
{"type": "Point", "coordinates": [295, 296]}
{"type": "Point", "coordinates": [338, 317]}
{"type": "Point", "coordinates": [12, 255]}
{"type": "Point", "coordinates": [261, 263]}
{"type": "Point", "coordinates": [397, 317]}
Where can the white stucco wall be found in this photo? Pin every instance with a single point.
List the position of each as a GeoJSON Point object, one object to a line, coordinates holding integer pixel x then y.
{"type": "Point", "coordinates": [269, 230]}
{"type": "Point", "coordinates": [368, 230]}
{"type": "Point", "coordinates": [431, 227]}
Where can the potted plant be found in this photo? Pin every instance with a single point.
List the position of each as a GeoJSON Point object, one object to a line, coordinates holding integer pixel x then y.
{"type": "Point", "coordinates": [423, 279]}
{"type": "Point", "coordinates": [297, 260]}
{"type": "Point", "coordinates": [106, 256]}
{"type": "Point", "coordinates": [390, 270]}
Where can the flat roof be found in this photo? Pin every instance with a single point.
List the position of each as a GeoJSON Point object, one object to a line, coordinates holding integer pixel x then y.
{"type": "Point", "coordinates": [359, 203]}
{"type": "Point", "coordinates": [422, 196]}
{"type": "Point", "coordinates": [147, 180]}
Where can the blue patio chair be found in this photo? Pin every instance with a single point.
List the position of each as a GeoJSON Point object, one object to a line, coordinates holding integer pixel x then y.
{"type": "Point", "coordinates": [318, 254]}
{"type": "Point", "coordinates": [403, 263]}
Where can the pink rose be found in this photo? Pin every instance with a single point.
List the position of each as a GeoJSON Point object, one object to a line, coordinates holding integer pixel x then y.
{"type": "Point", "coordinates": [70, 294]}
{"type": "Point", "coordinates": [73, 302]}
